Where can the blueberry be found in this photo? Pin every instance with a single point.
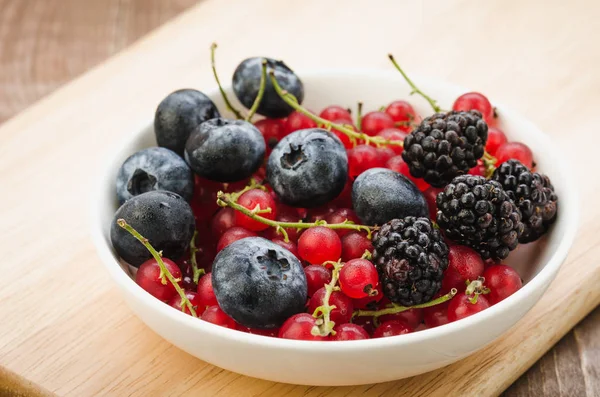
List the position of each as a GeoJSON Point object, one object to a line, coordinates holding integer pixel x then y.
{"type": "Point", "coordinates": [178, 115]}
{"type": "Point", "coordinates": [246, 82]}
{"type": "Point", "coordinates": [154, 168]}
{"type": "Point", "coordinates": [258, 283]}
{"type": "Point", "coordinates": [164, 218]}
{"type": "Point", "coordinates": [225, 150]}
{"type": "Point", "coordinates": [308, 168]}
{"type": "Point", "coordinates": [380, 195]}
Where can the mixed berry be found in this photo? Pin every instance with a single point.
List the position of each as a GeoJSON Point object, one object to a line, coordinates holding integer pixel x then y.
{"type": "Point", "coordinates": [327, 227]}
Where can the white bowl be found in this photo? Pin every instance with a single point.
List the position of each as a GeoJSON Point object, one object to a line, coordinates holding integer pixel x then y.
{"type": "Point", "coordinates": [364, 361]}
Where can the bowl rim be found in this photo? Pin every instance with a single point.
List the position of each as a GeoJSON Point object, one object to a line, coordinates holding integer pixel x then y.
{"type": "Point", "coordinates": [541, 281]}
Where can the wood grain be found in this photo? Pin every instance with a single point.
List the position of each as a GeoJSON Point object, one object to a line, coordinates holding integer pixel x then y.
{"type": "Point", "coordinates": [76, 338]}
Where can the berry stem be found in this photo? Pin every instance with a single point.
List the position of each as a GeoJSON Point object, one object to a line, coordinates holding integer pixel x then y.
{"type": "Point", "coordinates": [476, 288]}
{"type": "Point", "coordinates": [228, 104]}
{"type": "Point", "coordinates": [489, 163]}
{"type": "Point", "coordinates": [324, 326]}
{"type": "Point", "coordinates": [399, 309]}
{"type": "Point", "coordinates": [164, 272]}
{"type": "Point", "coordinates": [261, 90]}
{"type": "Point", "coordinates": [197, 272]}
{"type": "Point", "coordinates": [227, 200]}
{"type": "Point", "coordinates": [359, 115]}
{"type": "Point", "coordinates": [293, 102]}
{"type": "Point", "coordinates": [415, 89]}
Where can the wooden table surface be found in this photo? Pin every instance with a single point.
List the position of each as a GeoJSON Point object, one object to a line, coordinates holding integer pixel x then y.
{"type": "Point", "coordinates": [540, 57]}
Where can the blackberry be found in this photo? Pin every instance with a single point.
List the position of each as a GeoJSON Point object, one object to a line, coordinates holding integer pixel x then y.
{"type": "Point", "coordinates": [445, 145]}
{"type": "Point", "coordinates": [480, 214]}
{"type": "Point", "coordinates": [533, 194]}
{"type": "Point", "coordinates": [410, 256]}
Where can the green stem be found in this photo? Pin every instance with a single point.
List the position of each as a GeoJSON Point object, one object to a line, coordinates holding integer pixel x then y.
{"type": "Point", "coordinates": [261, 90]}
{"type": "Point", "coordinates": [489, 163]}
{"type": "Point", "coordinates": [225, 200]}
{"type": "Point", "coordinates": [164, 272]}
{"type": "Point", "coordinates": [359, 116]}
{"type": "Point", "coordinates": [355, 136]}
{"type": "Point", "coordinates": [415, 89]}
{"type": "Point", "coordinates": [324, 326]}
{"type": "Point", "coordinates": [399, 309]}
{"type": "Point", "coordinates": [193, 250]}
{"type": "Point", "coordinates": [228, 104]}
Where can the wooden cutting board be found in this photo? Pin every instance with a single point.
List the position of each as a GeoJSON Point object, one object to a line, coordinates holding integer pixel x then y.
{"type": "Point", "coordinates": [65, 327]}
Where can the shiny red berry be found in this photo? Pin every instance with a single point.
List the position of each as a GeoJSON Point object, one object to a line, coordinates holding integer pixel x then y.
{"type": "Point", "coordinates": [290, 245]}
{"type": "Point", "coordinates": [298, 121]}
{"type": "Point", "coordinates": [255, 199]}
{"type": "Point", "coordinates": [176, 302]}
{"type": "Point", "coordinates": [215, 315]}
{"type": "Point", "coordinates": [374, 122]}
{"type": "Point", "coordinates": [398, 164]}
{"type": "Point", "coordinates": [461, 306]}
{"type": "Point", "coordinates": [358, 278]}
{"type": "Point", "coordinates": [233, 234]}
{"type": "Point", "coordinates": [475, 101]}
{"type": "Point", "coordinates": [368, 301]}
{"type": "Point", "coordinates": [464, 264]}
{"type": "Point", "coordinates": [343, 305]}
{"type": "Point", "coordinates": [334, 112]}
{"type": "Point", "coordinates": [149, 278]}
{"type": "Point", "coordinates": [412, 317]}
{"type": "Point", "coordinates": [503, 281]}
{"type": "Point", "coordinates": [515, 150]}
{"type": "Point", "coordinates": [224, 219]}
{"type": "Point", "coordinates": [437, 315]}
{"type": "Point", "coordinates": [362, 158]}
{"type": "Point", "coordinates": [349, 331]}
{"type": "Point", "coordinates": [354, 245]}
{"type": "Point", "coordinates": [341, 215]}
{"type": "Point", "coordinates": [299, 327]}
{"type": "Point", "coordinates": [206, 294]}
{"type": "Point", "coordinates": [316, 277]}
{"type": "Point", "coordinates": [393, 134]}
{"type": "Point", "coordinates": [346, 141]}
{"type": "Point", "coordinates": [392, 328]}
{"type": "Point", "coordinates": [496, 138]}
{"type": "Point", "coordinates": [273, 130]}
{"type": "Point", "coordinates": [319, 244]}
{"type": "Point", "coordinates": [402, 113]}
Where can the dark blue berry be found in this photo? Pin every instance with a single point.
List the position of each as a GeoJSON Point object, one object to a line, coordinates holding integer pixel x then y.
{"type": "Point", "coordinates": [225, 150]}
{"type": "Point", "coordinates": [154, 168]}
{"type": "Point", "coordinates": [246, 83]}
{"type": "Point", "coordinates": [380, 195]}
{"type": "Point", "coordinates": [178, 115]}
{"type": "Point", "coordinates": [258, 283]}
{"type": "Point", "coordinates": [308, 168]}
{"type": "Point", "coordinates": [164, 218]}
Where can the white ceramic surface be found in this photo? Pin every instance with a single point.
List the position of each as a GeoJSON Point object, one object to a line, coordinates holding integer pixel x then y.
{"type": "Point", "coordinates": [353, 362]}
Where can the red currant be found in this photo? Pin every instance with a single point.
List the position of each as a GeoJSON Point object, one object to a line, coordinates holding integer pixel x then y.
{"type": "Point", "coordinates": [475, 101]}
{"type": "Point", "coordinates": [362, 158]}
{"type": "Point", "coordinates": [272, 332]}
{"type": "Point", "coordinates": [349, 331]}
{"type": "Point", "coordinates": [343, 305]}
{"type": "Point", "coordinates": [319, 244]}
{"type": "Point", "coordinates": [272, 130]}
{"type": "Point", "coordinates": [298, 121]}
{"type": "Point", "coordinates": [346, 141]}
{"type": "Point", "coordinates": [464, 264]}
{"type": "Point", "coordinates": [290, 245]}
{"type": "Point", "coordinates": [271, 233]}
{"type": "Point", "coordinates": [214, 314]}
{"type": "Point", "coordinates": [149, 278]}
{"type": "Point", "coordinates": [412, 317]}
{"type": "Point", "coordinates": [402, 113]}
{"type": "Point", "coordinates": [393, 134]}
{"type": "Point", "coordinates": [232, 235]}
{"type": "Point", "coordinates": [316, 277]}
{"type": "Point", "coordinates": [364, 303]}
{"type": "Point", "coordinates": [358, 278]}
{"type": "Point", "coordinates": [345, 197]}
{"type": "Point", "coordinates": [222, 221]}
{"type": "Point", "coordinates": [339, 216]}
{"type": "Point", "coordinates": [354, 245]}
{"type": "Point", "coordinates": [252, 199]}
{"type": "Point", "coordinates": [398, 164]}
{"type": "Point", "coordinates": [461, 306]}
{"type": "Point", "coordinates": [383, 155]}
{"type": "Point", "coordinates": [496, 138]}
{"type": "Point", "coordinates": [503, 281]}
{"type": "Point", "coordinates": [176, 302]}
{"type": "Point", "coordinates": [206, 294]}
{"type": "Point", "coordinates": [392, 328]}
{"type": "Point", "coordinates": [299, 327]}
{"type": "Point", "coordinates": [374, 122]}
{"type": "Point", "coordinates": [335, 112]}
{"type": "Point", "coordinates": [204, 201]}
{"type": "Point", "coordinates": [479, 169]}
{"type": "Point", "coordinates": [431, 196]}
{"type": "Point", "coordinates": [437, 315]}
{"type": "Point", "coordinates": [515, 150]}
{"type": "Point", "coordinates": [320, 213]}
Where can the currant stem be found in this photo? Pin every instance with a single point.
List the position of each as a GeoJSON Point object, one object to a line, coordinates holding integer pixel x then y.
{"type": "Point", "coordinates": [225, 200]}
{"type": "Point", "coordinates": [261, 90]}
{"type": "Point", "coordinates": [197, 272]}
{"type": "Point", "coordinates": [399, 309]}
{"type": "Point", "coordinates": [164, 272]}
{"type": "Point", "coordinates": [415, 89]}
{"type": "Point", "coordinates": [293, 102]}
{"type": "Point", "coordinates": [326, 327]}
{"type": "Point", "coordinates": [359, 115]}
{"type": "Point", "coordinates": [228, 104]}
{"type": "Point", "coordinates": [489, 163]}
